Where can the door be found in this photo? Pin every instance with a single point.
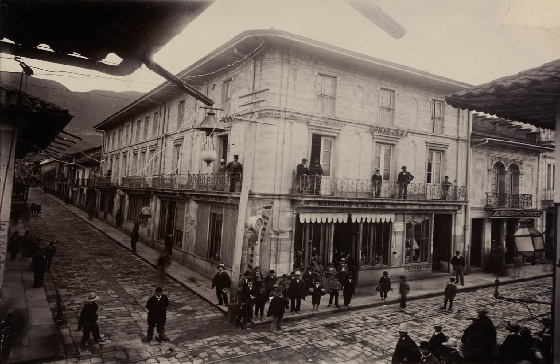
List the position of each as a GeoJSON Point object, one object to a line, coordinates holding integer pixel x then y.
{"type": "Point", "coordinates": [442, 242]}
{"type": "Point", "coordinates": [511, 251]}
{"type": "Point", "coordinates": [477, 234]}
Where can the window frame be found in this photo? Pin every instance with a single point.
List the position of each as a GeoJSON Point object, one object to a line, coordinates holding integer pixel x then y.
{"type": "Point", "coordinates": [181, 105]}
{"type": "Point", "coordinates": [437, 128]}
{"type": "Point", "coordinates": [430, 174]}
{"type": "Point", "coordinates": [376, 159]}
{"type": "Point", "coordinates": [213, 247]}
{"type": "Point", "coordinates": [386, 109]}
{"type": "Point", "coordinates": [322, 96]}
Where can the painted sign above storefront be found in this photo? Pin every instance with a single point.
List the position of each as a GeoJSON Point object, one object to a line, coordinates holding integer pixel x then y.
{"type": "Point", "coordinates": [383, 130]}
{"type": "Point", "coordinates": [352, 204]}
{"type": "Point", "coordinates": [515, 213]}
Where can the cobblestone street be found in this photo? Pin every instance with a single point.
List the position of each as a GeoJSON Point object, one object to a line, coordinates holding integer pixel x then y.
{"type": "Point", "coordinates": [86, 260]}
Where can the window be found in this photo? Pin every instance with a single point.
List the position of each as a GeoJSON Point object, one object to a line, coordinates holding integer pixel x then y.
{"type": "Point", "coordinates": [417, 239]}
{"type": "Point", "coordinates": [150, 162]}
{"type": "Point", "coordinates": [513, 179]}
{"type": "Point", "coordinates": [326, 86]}
{"type": "Point", "coordinates": [146, 127]}
{"type": "Point", "coordinates": [126, 134]}
{"type": "Point", "coordinates": [120, 138]}
{"type": "Point", "coordinates": [215, 236]}
{"type": "Point", "coordinates": [179, 225]}
{"type": "Point", "coordinates": [114, 139]}
{"type": "Point", "coordinates": [135, 205]}
{"type": "Point", "coordinates": [386, 106]}
{"type": "Point", "coordinates": [498, 178]}
{"type": "Point", "coordinates": [176, 159]}
{"type": "Point", "coordinates": [138, 127]}
{"type": "Point", "coordinates": [125, 165]}
{"type": "Point", "coordinates": [322, 148]}
{"type": "Point", "coordinates": [382, 159]}
{"type": "Point", "coordinates": [226, 94]}
{"type": "Point", "coordinates": [116, 169]}
{"type": "Point", "coordinates": [155, 123]}
{"type": "Point", "coordinates": [438, 111]}
{"type": "Point", "coordinates": [180, 114]}
{"type": "Point", "coordinates": [376, 243]}
{"type": "Point", "coordinates": [550, 170]}
{"type": "Point", "coordinates": [166, 219]}
{"type": "Point", "coordinates": [433, 174]}
{"type": "Point", "coordinates": [142, 167]}
{"type": "Point", "coordinates": [134, 166]}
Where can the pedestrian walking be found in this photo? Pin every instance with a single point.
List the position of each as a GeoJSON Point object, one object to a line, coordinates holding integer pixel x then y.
{"type": "Point", "coordinates": [87, 323]}
{"type": "Point", "coordinates": [261, 299]}
{"type": "Point", "coordinates": [157, 315]}
{"type": "Point", "coordinates": [334, 286]}
{"type": "Point", "coordinates": [296, 291]}
{"type": "Point", "coordinates": [403, 180]}
{"type": "Point", "coordinates": [222, 282]}
{"type": "Point", "coordinates": [169, 243]}
{"type": "Point", "coordinates": [427, 356]}
{"type": "Point", "coordinates": [14, 245]}
{"type": "Point", "coordinates": [276, 308]}
{"type": "Point", "coordinates": [437, 339]}
{"type": "Point", "coordinates": [449, 294]}
{"type": "Point", "coordinates": [317, 291]}
{"type": "Point", "coordinates": [406, 350]}
{"type": "Point", "coordinates": [91, 210]}
{"type": "Point", "coordinates": [50, 251]}
{"type": "Point", "coordinates": [119, 218]}
{"type": "Point", "coordinates": [449, 353]}
{"type": "Point", "coordinates": [269, 281]}
{"type": "Point", "coordinates": [348, 289]}
{"type": "Point", "coordinates": [163, 263]}
{"type": "Point", "coordinates": [134, 236]}
{"type": "Point", "coordinates": [404, 290]}
{"type": "Point", "coordinates": [39, 267]}
{"type": "Point", "coordinates": [258, 278]}
{"type": "Point", "coordinates": [384, 285]}
{"type": "Point", "coordinates": [458, 263]}
{"type": "Point", "coordinates": [511, 350]}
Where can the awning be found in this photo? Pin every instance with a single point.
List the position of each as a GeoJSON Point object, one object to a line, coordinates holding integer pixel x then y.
{"type": "Point", "coordinates": [323, 217]}
{"type": "Point", "coordinates": [372, 217]}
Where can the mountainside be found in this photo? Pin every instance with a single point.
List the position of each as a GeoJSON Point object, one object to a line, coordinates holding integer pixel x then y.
{"type": "Point", "coordinates": [88, 108]}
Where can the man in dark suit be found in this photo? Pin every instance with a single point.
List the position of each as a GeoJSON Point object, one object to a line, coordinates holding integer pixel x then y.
{"type": "Point", "coordinates": [222, 282]}
{"type": "Point", "coordinates": [376, 181]}
{"type": "Point", "coordinates": [234, 170]}
{"type": "Point", "coordinates": [296, 291]}
{"type": "Point", "coordinates": [403, 180]}
{"type": "Point", "coordinates": [157, 314]}
{"type": "Point", "coordinates": [458, 263]}
{"type": "Point", "coordinates": [302, 176]}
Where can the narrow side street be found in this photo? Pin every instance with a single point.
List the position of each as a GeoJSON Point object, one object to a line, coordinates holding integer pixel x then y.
{"type": "Point", "coordinates": [86, 260]}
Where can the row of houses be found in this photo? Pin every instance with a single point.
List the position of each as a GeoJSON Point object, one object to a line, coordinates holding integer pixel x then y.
{"type": "Point", "coordinates": [281, 98]}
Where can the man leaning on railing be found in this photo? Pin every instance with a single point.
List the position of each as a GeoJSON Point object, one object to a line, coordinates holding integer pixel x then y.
{"type": "Point", "coordinates": [302, 175]}
{"type": "Point", "coordinates": [445, 187]}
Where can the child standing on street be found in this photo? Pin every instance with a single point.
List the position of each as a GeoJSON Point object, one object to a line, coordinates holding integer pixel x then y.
{"type": "Point", "coordinates": [260, 301]}
{"type": "Point", "coordinates": [384, 285]}
{"type": "Point", "coordinates": [317, 291]}
{"type": "Point", "coordinates": [449, 294]}
{"type": "Point", "coordinates": [404, 289]}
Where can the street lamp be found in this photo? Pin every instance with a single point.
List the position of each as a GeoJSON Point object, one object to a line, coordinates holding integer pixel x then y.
{"type": "Point", "coordinates": [529, 241]}
{"type": "Point", "coordinates": [209, 125]}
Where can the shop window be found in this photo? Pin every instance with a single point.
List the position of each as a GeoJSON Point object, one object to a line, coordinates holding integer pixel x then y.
{"type": "Point", "coordinates": [417, 244]}
{"type": "Point", "coordinates": [215, 236]}
{"type": "Point", "coordinates": [382, 159]}
{"type": "Point", "coordinates": [386, 107]}
{"type": "Point", "coordinates": [435, 159]}
{"type": "Point", "coordinates": [438, 113]}
{"type": "Point", "coordinates": [322, 148]}
{"type": "Point", "coordinates": [376, 243]}
{"type": "Point", "coordinates": [166, 221]}
{"type": "Point", "coordinates": [326, 91]}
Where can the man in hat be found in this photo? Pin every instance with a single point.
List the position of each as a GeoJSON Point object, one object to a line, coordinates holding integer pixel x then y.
{"type": "Point", "coordinates": [276, 308]}
{"type": "Point", "coordinates": [404, 289]}
{"type": "Point", "coordinates": [258, 278]}
{"type": "Point", "coordinates": [222, 165]}
{"type": "Point", "coordinates": [403, 180]}
{"type": "Point", "coordinates": [234, 170]}
{"type": "Point", "coordinates": [333, 286]}
{"type": "Point", "coordinates": [134, 236]}
{"type": "Point", "coordinates": [342, 269]}
{"type": "Point", "coordinates": [437, 339]}
{"type": "Point", "coordinates": [449, 294]}
{"type": "Point", "coordinates": [348, 289]}
{"type": "Point", "coordinates": [488, 332]}
{"type": "Point", "coordinates": [302, 173]}
{"type": "Point", "coordinates": [222, 282]}
{"type": "Point", "coordinates": [88, 319]}
{"type": "Point", "coordinates": [296, 291]}
{"type": "Point", "coordinates": [157, 314]}
{"type": "Point", "coordinates": [449, 354]}
{"type": "Point", "coordinates": [445, 187]}
{"type": "Point", "coordinates": [427, 356]}
{"type": "Point", "coordinates": [511, 350]}
{"type": "Point", "coordinates": [458, 263]}
{"type": "Point", "coordinates": [406, 350]}
{"type": "Point", "coordinates": [270, 281]}
{"type": "Point", "coordinates": [39, 266]}
{"type": "Point", "coordinates": [50, 251]}
{"type": "Point", "coordinates": [376, 181]}
{"type": "Point", "coordinates": [248, 295]}
{"type": "Point", "coordinates": [308, 277]}
{"type": "Point", "coordinates": [315, 173]}
{"type": "Point", "coordinates": [479, 339]}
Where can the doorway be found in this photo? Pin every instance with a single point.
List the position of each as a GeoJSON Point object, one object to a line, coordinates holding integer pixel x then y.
{"type": "Point", "coordinates": [345, 244]}
{"type": "Point", "coordinates": [511, 251]}
{"type": "Point", "coordinates": [477, 240]}
{"type": "Point", "coordinates": [443, 225]}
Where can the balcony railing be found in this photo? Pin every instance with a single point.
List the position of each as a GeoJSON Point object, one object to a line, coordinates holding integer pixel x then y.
{"type": "Point", "coordinates": [495, 199]}
{"type": "Point", "coordinates": [105, 181]}
{"type": "Point", "coordinates": [350, 187]}
{"type": "Point", "coordinates": [548, 195]}
{"type": "Point", "coordinates": [225, 182]}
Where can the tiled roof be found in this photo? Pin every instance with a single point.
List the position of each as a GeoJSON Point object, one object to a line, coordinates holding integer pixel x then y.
{"type": "Point", "coordinates": [9, 100]}
{"type": "Point", "coordinates": [530, 96]}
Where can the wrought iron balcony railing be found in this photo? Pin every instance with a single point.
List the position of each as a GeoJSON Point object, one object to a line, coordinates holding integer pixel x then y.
{"type": "Point", "coordinates": [495, 199]}
{"type": "Point", "coordinates": [225, 182]}
{"type": "Point", "coordinates": [350, 187]}
{"type": "Point", "coordinates": [106, 181]}
{"type": "Point", "coordinates": [548, 194]}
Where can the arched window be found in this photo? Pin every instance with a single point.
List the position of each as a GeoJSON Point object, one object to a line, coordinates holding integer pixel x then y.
{"type": "Point", "coordinates": [513, 179]}
{"type": "Point", "coordinates": [499, 178]}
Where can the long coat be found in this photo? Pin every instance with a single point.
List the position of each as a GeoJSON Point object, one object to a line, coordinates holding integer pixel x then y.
{"type": "Point", "coordinates": [511, 351]}
{"type": "Point", "coordinates": [297, 289]}
{"type": "Point", "coordinates": [221, 280]}
{"type": "Point", "coordinates": [436, 342]}
{"type": "Point", "coordinates": [349, 286]}
{"type": "Point", "coordinates": [384, 284]}
{"type": "Point", "coordinates": [88, 314]}
{"type": "Point", "coordinates": [157, 310]}
{"type": "Point", "coordinates": [406, 349]}
{"type": "Point", "coordinates": [450, 291]}
{"type": "Point", "coordinates": [276, 307]}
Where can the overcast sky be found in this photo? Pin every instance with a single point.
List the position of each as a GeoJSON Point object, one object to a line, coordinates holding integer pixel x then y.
{"type": "Point", "coordinates": [473, 41]}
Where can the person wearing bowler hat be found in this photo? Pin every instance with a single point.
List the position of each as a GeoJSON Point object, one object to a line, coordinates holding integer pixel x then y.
{"type": "Point", "coordinates": [437, 339]}
{"type": "Point", "coordinates": [334, 285]}
{"type": "Point", "coordinates": [302, 173]}
{"type": "Point", "coordinates": [403, 180]}
{"type": "Point", "coordinates": [248, 295]}
{"type": "Point", "coordinates": [511, 350]}
{"type": "Point", "coordinates": [276, 308]}
{"type": "Point", "coordinates": [449, 294]}
{"type": "Point", "coordinates": [384, 285]}
{"type": "Point", "coordinates": [348, 289]}
{"type": "Point", "coordinates": [222, 282]}
{"type": "Point", "coordinates": [157, 314]}
{"type": "Point", "coordinates": [449, 353]}
{"type": "Point", "coordinates": [270, 281]}
{"type": "Point", "coordinates": [404, 289]}
{"type": "Point", "coordinates": [427, 356]}
{"type": "Point", "coordinates": [342, 269]}
{"type": "Point", "coordinates": [376, 181]}
{"type": "Point", "coordinates": [317, 291]}
{"type": "Point", "coordinates": [406, 350]}
{"type": "Point", "coordinates": [234, 170]}
{"type": "Point", "coordinates": [308, 277]}
{"type": "Point", "coordinates": [296, 291]}
{"type": "Point", "coordinates": [258, 277]}
{"type": "Point", "coordinates": [88, 319]}
{"type": "Point", "coordinates": [479, 339]}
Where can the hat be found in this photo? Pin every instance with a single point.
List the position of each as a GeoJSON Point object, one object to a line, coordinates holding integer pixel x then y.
{"type": "Point", "coordinates": [377, 169]}
{"type": "Point", "coordinates": [247, 273]}
{"type": "Point", "coordinates": [310, 268]}
{"type": "Point", "coordinates": [92, 297]}
{"type": "Point", "coordinates": [446, 177]}
{"type": "Point", "coordinates": [159, 290]}
{"type": "Point", "coordinates": [451, 342]}
{"type": "Point", "coordinates": [452, 279]}
{"type": "Point", "coordinates": [284, 275]}
{"type": "Point", "coordinates": [403, 327]}
{"type": "Point", "coordinates": [513, 326]}
{"type": "Point", "coordinates": [297, 273]}
{"type": "Point", "coordinates": [403, 277]}
{"type": "Point", "coordinates": [437, 322]}
{"type": "Point", "coordinates": [275, 286]}
{"type": "Point", "coordinates": [271, 271]}
{"type": "Point", "coordinates": [342, 258]}
{"type": "Point", "coordinates": [424, 345]}
{"type": "Point", "coordinates": [221, 265]}
{"type": "Point", "coordinates": [236, 156]}
{"type": "Point", "coordinates": [317, 279]}
{"type": "Point", "coordinates": [482, 311]}
{"type": "Point", "coordinates": [222, 160]}
{"type": "Point", "coordinates": [304, 160]}
{"type": "Point", "coordinates": [403, 167]}
{"type": "Point", "coordinates": [385, 273]}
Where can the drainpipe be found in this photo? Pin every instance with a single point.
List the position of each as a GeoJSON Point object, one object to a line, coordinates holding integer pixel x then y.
{"type": "Point", "coordinates": [467, 223]}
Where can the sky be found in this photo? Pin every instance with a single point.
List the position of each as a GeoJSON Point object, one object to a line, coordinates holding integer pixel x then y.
{"type": "Point", "coordinates": [473, 41]}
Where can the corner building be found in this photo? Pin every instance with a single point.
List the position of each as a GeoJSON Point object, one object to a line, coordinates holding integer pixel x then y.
{"type": "Point", "coordinates": [305, 99]}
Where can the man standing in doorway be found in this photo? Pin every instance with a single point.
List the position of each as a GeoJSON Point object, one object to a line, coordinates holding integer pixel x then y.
{"type": "Point", "coordinates": [458, 263]}
{"type": "Point", "coordinates": [234, 170]}
{"type": "Point", "coordinates": [376, 181]}
{"type": "Point", "coordinates": [403, 180]}
{"type": "Point", "coordinates": [302, 176]}
{"type": "Point", "coordinates": [315, 171]}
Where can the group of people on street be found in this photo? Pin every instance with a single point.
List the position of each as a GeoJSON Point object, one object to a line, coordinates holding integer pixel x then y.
{"type": "Point", "coordinates": [26, 246]}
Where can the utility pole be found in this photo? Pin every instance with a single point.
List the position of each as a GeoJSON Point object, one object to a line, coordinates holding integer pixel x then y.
{"type": "Point", "coordinates": [249, 162]}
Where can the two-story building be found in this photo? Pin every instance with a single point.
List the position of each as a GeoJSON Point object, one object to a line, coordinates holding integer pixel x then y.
{"type": "Point", "coordinates": [303, 99]}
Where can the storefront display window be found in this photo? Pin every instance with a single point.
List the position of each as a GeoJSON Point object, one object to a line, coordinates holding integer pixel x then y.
{"type": "Point", "coordinates": [417, 242]}
{"type": "Point", "coordinates": [376, 243]}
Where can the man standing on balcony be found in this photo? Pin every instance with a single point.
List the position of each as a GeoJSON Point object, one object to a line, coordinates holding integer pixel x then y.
{"type": "Point", "coordinates": [445, 187]}
{"type": "Point", "coordinates": [234, 169]}
{"type": "Point", "coordinates": [458, 263]}
{"type": "Point", "coordinates": [315, 171]}
{"type": "Point", "coordinates": [376, 180]}
{"type": "Point", "coordinates": [403, 181]}
{"type": "Point", "coordinates": [302, 174]}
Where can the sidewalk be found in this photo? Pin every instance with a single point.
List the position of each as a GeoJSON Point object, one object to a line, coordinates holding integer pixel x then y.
{"type": "Point", "coordinates": [41, 340]}
{"type": "Point", "coordinates": [365, 297]}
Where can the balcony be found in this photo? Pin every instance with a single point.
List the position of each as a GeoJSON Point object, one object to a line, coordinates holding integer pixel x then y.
{"type": "Point", "coordinates": [106, 181]}
{"type": "Point", "coordinates": [223, 182]}
{"type": "Point", "coordinates": [548, 195]}
{"type": "Point", "coordinates": [513, 200]}
{"type": "Point", "coordinates": [362, 188]}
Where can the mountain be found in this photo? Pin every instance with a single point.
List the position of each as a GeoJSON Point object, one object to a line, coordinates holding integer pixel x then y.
{"type": "Point", "coordinates": [88, 108]}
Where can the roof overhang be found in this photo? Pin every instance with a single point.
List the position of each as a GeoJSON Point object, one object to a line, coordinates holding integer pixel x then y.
{"type": "Point", "coordinates": [479, 140]}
